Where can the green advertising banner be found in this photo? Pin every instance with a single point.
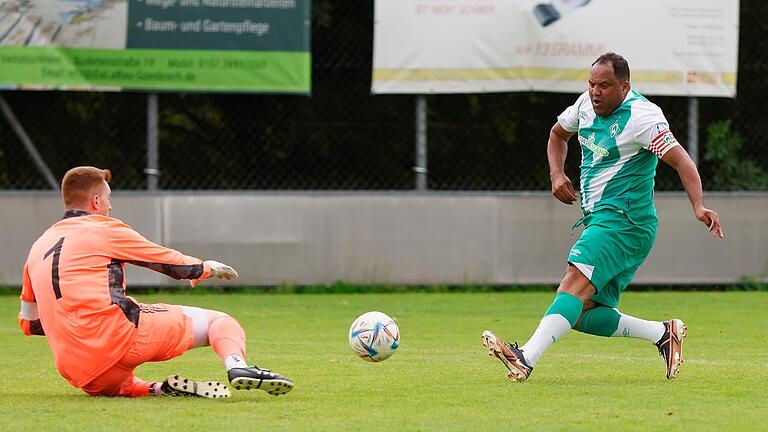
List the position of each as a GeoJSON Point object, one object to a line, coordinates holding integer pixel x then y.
{"type": "Point", "coordinates": [200, 45]}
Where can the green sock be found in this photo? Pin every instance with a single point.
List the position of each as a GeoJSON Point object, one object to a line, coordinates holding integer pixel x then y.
{"type": "Point", "coordinates": [600, 321]}
{"type": "Point", "coordinates": [559, 318]}
{"type": "Point", "coordinates": [567, 305]}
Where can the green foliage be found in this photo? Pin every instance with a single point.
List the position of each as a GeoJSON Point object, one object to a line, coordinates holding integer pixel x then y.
{"type": "Point", "coordinates": [440, 379]}
{"type": "Point", "coordinates": [751, 283]}
{"type": "Point", "coordinates": [730, 170]}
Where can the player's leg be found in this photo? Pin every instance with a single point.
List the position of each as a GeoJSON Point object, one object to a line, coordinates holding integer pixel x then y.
{"type": "Point", "coordinates": [601, 318]}
{"type": "Point", "coordinates": [164, 332]}
{"type": "Point", "coordinates": [581, 281]}
{"type": "Point", "coordinates": [120, 380]}
{"type": "Point", "coordinates": [227, 338]}
{"type": "Point", "coordinates": [592, 263]}
{"type": "Point", "coordinates": [562, 314]}
{"type": "Point", "coordinates": [666, 336]}
{"type": "Point", "coordinates": [607, 321]}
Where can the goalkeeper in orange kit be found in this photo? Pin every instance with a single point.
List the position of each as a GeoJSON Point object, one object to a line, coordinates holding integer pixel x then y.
{"type": "Point", "coordinates": [74, 293]}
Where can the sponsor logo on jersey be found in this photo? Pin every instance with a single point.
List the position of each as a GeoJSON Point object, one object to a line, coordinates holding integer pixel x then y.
{"type": "Point", "coordinates": [583, 115]}
{"type": "Point", "coordinates": [575, 252]}
{"type": "Point", "coordinates": [589, 143]}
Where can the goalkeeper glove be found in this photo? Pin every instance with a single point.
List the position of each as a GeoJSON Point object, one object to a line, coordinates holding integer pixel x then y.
{"type": "Point", "coordinates": [218, 271]}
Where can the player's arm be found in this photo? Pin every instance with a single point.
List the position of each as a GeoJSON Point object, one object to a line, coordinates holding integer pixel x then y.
{"type": "Point", "coordinates": [679, 159]}
{"type": "Point", "coordinates": [129, 246]}
{"type": "Point", "coordinates": [29, 319]}
{"type": "Point", "coordinates": [557, 150]}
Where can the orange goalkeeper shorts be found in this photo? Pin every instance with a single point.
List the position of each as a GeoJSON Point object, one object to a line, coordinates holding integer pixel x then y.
{"type": "Point", "coordinates": [164, 333]}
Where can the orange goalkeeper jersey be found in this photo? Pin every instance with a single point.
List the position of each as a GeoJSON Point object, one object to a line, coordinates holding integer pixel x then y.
{"type": "Point", "coordinates": [74, 290]}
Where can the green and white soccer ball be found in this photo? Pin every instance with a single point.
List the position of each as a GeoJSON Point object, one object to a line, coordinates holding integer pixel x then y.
{"type": "Point", "coordinates": [374, 336]}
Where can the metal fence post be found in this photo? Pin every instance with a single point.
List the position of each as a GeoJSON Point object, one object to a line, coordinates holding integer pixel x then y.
{"type": "Point", "coordinates": [152, 170]}
{"type": "Point", "coordinates": [693, 129]}
{"type": "Point", "coordinates": [420, 167]}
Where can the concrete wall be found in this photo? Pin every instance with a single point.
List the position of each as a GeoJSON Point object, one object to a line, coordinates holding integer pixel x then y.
{"type": "Point", "coordinates": [304, 238]}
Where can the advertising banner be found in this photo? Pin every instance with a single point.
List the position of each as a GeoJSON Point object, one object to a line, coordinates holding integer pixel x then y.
{"type": "Point", "coordinates": [674, 47]}
{"type": "Point", "coordinates": [200, 45]}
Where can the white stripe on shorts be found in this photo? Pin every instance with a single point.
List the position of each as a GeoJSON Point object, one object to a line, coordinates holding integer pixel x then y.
{"type": "Point", "coordinates": [199, 324]}
{"type": "Point", "coordinates": [586, 269]}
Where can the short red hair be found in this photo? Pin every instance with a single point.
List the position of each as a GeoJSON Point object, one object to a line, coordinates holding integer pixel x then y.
{"type": "Point", "coordinates": [79, 182]}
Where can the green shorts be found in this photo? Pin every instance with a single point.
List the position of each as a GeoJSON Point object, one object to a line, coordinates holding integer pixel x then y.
{"type": "Point", "coordinates": [609, 251]}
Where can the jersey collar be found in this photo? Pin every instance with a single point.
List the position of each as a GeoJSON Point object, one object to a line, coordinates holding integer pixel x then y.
{"type": "Point", "coordinates": [74, 213]}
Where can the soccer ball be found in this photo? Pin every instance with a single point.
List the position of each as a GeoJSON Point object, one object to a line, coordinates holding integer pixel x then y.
{"type": "Point", "coordinates": [374, 336]}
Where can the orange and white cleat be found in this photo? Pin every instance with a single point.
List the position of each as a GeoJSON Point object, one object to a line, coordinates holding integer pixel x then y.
{"type": "Point", "coordinates": [510, 355]}
{"type": "Point", "coordinates": [670, 346]}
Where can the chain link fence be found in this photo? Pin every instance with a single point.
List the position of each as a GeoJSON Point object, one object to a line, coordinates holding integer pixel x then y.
{"type": "Point", "coordinates": [343, 138]}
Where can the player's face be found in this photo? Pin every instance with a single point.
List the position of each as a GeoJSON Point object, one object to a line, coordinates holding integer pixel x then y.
{"type": "Point", "coordinates": [606, 91]}
{"type": "Point", "coordinates": [101, 202]}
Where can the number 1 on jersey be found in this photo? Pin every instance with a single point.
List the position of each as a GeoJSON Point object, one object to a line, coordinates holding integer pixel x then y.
{"type": "Point", "coordinates": [56, 249]}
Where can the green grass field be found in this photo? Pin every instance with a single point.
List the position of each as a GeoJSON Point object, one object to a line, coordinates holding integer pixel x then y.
{"type": "Point", "coordinates": [440, 379]}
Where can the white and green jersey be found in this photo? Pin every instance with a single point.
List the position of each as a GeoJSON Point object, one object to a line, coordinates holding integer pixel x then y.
{"type": "Point", "coordinates": [619, 153]}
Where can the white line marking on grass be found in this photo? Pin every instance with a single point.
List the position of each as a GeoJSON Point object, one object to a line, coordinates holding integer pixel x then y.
{"type": "Point", "coordinates": [645, 359]}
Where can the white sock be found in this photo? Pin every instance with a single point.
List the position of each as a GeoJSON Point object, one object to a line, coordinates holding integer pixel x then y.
{"type": "Point", "coordinates": [234, 361]}
{"type": "Point", "coordinates": [549, 330]}
{"type": "Point", "coordinates": [630, 326]}
{"type": "Point", "coordinates": [156, 389]}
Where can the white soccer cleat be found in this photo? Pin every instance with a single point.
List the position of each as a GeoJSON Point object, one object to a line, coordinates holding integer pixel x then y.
{"type": "Point", "coordinates": [176, 385]}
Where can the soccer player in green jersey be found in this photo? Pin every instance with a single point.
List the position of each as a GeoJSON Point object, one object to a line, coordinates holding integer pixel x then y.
{"type": "Point", "coordinates": [622, 137]}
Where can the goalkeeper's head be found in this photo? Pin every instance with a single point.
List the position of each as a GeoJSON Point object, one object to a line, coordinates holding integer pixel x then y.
{"type": "Point", "coordinates": [87, 188]}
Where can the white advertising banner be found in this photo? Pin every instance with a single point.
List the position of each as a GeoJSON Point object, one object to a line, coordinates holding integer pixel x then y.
{"type": "Point", "coordinates": [674, 47]}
